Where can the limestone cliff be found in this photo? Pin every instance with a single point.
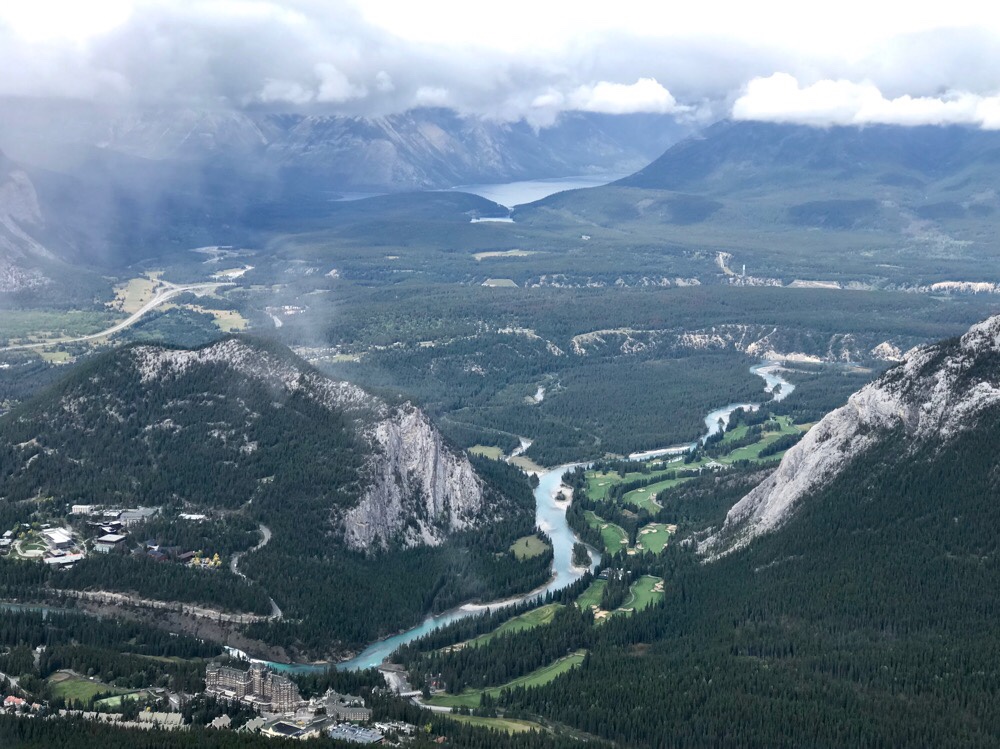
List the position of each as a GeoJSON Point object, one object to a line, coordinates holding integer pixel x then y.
{"type": "Point", "coordinates": [935, 393]}
{"type": "Point", "coordinates": [264, 417]}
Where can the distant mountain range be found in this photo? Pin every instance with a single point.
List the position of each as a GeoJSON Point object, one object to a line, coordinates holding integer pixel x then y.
{"type": "Point", "coordinates": [731, 157]}
{"type": "Point", "coordinates": [106, 192]}
{"type": "Point", "coordinates": [420, 149]}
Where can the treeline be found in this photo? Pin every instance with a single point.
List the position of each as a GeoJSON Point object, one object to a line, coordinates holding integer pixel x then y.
{"type": "Point", "coordinates": [508, 656]}
{"type": "Point", "coordinates": [866, 620]}
{"type": "Point", "coordinates": [335, 599]}
{"type": "Point", "coordinates": [75, 733]}
{"type": "Point", "coordinates": [122, 669]}
{"type": "Point", "coordinates": [165, 582]}
{"type": "Point", "coordinates": [224, 536]}
{"type": "Point", "coordinates": [50, 629]}
{"type": "Point", "coordinates": [187, 437]}
{"type": "Point", "coordinates": [470, 627]}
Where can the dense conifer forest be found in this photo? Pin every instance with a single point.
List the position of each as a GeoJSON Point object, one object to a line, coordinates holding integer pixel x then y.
{"type": "Point", "coordinates": [866, 621]}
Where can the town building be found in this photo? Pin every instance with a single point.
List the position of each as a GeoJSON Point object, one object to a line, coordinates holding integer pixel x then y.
{"type": "Point", "coordinates": [137, 515]}
{"type": "Point", "coordinates": [58, 538]}
{"type": "Point", "coordinates": [354, 734]}
{"type": "Point", "coordinates": [258, 686]}
{"type": "Point", "coordinates": [109, 542]}
{"type": "Point", "coordinates": [342, 707]}
{"type": "Point", "coordinates": [63, 560]}
{"type": "Point", "coordinates": [82, 509]}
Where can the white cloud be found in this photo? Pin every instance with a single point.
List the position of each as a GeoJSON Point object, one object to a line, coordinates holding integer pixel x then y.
{"type": "Point", "coordinates": [288, 92]}
{"type": "Point", "coordinates": [780, 98]}
{"type": "Point", "coordinates": [383, 82]}
{"type": "Point", "coordinates": [431, 96]}
{"type": "Point", "coordinates": [645, 95]}
{"type": "Point", "coordinates": [335, 87]}
{"type": "Point", "coordinates": [377, 57]}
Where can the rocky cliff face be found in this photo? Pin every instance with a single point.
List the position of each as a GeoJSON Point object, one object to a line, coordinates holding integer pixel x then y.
{"type": "Point", "coordinates": [20, 218]}
{"type": "Point", "coordinates": [416, 490]}
{"type": "Point", "coordinates": [935, 393]}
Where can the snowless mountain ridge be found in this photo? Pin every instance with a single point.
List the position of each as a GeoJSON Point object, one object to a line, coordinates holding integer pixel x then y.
{"type": "Point", "coordinates": [936, 392]}
{"type": "Point", "coordinates": [416, 488]}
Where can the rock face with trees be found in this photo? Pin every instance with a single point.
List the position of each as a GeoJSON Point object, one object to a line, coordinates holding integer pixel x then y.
{"type": "Point", "coordinates": [363, 496]}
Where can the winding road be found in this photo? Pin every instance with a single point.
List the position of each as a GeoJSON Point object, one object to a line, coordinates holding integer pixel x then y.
{"type": "Point", "coordinates": [165, 295]}
{"type": "Point", "coordinates": [265, 534]}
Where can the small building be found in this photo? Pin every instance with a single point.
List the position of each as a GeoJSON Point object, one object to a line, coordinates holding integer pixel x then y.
{"type": "Point", "coordinates": [58, 538]}
{"type": "Point", "coordinates": [282, 729]}
{"type": "Point", "coordinates": [63, 560]}
{"type": "Point", "coordinates": [82, 509]}
{"type": "Point", "coordinates": [109, 542]}
{"type": "Point", "coordinates": [347, 707]}
{"type": "Point", "coordinates": [137, 515]}
{"type": "Point", "coordinates": [223, 721]}
{"type": "Point", "coordinates": [192, 517]}
{"type": "Point", "coordinates": [12, 701]}
{"type": "Point", "coordinates": [355, 734]}
{"type": "Point", "coordinates": [8, 534]}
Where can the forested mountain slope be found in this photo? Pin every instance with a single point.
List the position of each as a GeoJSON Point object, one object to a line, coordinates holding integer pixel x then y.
{"type": "Point", "coordinates": [239, 422]}
{"type": "Point", "coordinates": [359, 493]}
{"type": "Point", "coordinates": [867, 618]}
{"type": "Point", "coordinates": [937, 392]}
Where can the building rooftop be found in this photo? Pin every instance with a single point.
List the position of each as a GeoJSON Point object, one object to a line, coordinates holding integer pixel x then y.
{"type": "Point", "coordinates": [58, 535]}
{"type": "Point", "coordinates": [64, 560]}
{"type": "Point", "coordinates": [355, 734]}
{"type": "Point", "coordinates": [111, 538]}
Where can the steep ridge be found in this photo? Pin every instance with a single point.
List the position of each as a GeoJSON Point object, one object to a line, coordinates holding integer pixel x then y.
{"type": "Point", "coordinates": [21, 253]}
{"type": "Point", "coordinates": [751, 155]}
{"type": "Point", "coordinates": [234, 402]}
{"type": "Point", "coordinates": [936, 392]}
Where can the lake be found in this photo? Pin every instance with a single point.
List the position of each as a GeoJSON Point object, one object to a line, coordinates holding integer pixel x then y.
{"type": "Point", "coordinates": [510, 194]}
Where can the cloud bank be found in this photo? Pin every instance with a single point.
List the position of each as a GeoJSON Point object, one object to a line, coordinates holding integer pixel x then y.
{"type": "Point", "coordinates": [702, 61]}
{"type": "Point", "coordinates": [780, 98]}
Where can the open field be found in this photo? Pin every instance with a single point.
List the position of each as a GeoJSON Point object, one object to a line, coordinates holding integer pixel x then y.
{"type": "Point", "coordinates": [510, 725]}
{"type": "Point", "coordinates": [598, 484]}
{"type": "Point", "coordinates": [527, 464]}
{"type": "Point", "coordinates": [72, 687]}
{"type": "Point", "coordinates": [644, 592]}
{"type": "Point", "coordinates": [227, 320]}
{"type": "Point", "coordinates": [653, 537]}
{"type": "Point", "coordinates": [55, 357]}
{"type": "Point", "coordinates": [528, 547]}
{"type": "Point", "coordinates": [592, 595]}
{"type": "Point", "coordinates": [487, 451]}
{"type": "Point", "coordinates": [113, 703]}
{"type": "Point", "coordinates": [528, 620]}
{"type": "Point", "coordinates": [507, 283]}
{"type": "Point", "coordinates": [540, 677]}
{"type": "Point", "coordinates": [614, 536]}
{"type": "Point", "coordinates": [505, 253]}
{"type": "Point", "coordinates": [131, 295]}
{"type": "Point", "coordinates": [643, 498]}
{"type": "Point", "coordinates": [29, 326]}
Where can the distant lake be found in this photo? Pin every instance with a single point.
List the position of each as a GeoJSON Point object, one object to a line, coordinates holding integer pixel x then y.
{"type": "Point", "coordinates": [511, 194]}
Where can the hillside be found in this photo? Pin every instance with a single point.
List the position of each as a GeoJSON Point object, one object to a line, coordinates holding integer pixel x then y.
{"type": "Point", "coordinates": [879, 207]}
{"type": "Point", "coordinates": [864, 618]}
{"type": "Point", "coordinates": [349, 484]}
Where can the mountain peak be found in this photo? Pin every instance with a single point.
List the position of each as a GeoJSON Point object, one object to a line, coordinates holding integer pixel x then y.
{"type": "Point", "coordinates": [935, 393]}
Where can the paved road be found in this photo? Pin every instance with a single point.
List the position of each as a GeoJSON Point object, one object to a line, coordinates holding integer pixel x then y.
{"type": "Point", "coordinates": [265, 533]}
{"type": "Point", "coordinates": [166, 295]}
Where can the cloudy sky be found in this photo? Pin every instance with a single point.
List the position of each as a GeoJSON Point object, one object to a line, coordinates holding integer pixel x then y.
{"type": "Point", "coordinates": [854, 61]}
